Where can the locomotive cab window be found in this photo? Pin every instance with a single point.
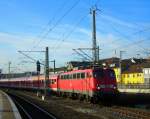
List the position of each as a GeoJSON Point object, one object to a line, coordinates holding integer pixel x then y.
{"type": "Point", "coordinates": [112, 74]}
{"type": "Point", "coordinates": [98, 74]}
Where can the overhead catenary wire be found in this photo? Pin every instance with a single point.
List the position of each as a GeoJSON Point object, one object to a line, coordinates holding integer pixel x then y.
{"type": "Point", "coordinates": [129, 45]}
{"type": "Point", "coordinates": [131, 42]}
{"type": "Point", "coordinates": [49, 30]}
{"type": "Point", "coordinates": [70, 33]}
{"type": "Point", "coordinates": [58, 46]}
{"type": "Point", "coordinates": [86, 58]}
{"type": "Point", "coordinates": [131, 34]}
{"type": "Point", "coordinates": [111, 22]}
{"type": "Point", "coordinates": [128, 37]}
{"type": "Point", "coordinates": [50, 22]}
{"type": "Point", "coordinates": [57, 22]}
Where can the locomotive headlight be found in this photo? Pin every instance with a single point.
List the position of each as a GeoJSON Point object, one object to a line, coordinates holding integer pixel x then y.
{"type": "Point", "coordinates": [98, 87]}
{"type": "Point", "coordinates": [115, 87]}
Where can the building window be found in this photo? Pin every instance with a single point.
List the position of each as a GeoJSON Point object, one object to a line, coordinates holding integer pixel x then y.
{"type": "Point", "coordinates": [133, 75]}
{"type": "Point", "coordinates": [146, 71]}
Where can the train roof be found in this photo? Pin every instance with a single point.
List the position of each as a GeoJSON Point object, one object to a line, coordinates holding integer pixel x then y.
{"type": "Point", "coordinates": [18, 79]}
{"type": "Point", "coordinates": [2, 80]}
{"type": "Point", "coordinates": [85, 70]}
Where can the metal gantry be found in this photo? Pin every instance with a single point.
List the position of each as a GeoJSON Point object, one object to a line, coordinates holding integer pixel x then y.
{"type": "Point", "coordinates": [46, 65]}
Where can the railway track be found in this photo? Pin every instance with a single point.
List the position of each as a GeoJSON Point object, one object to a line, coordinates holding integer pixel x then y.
{"type": "Point", "coordinates": [128, 113]}
{"type": "Point", "coordinates": [106, 111]}
{"type": "Point", "coordinates": [28, 110]}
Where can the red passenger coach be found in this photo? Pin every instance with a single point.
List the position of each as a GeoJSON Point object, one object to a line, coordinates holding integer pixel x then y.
{"type": "Point", "coordinates": [53, 83]}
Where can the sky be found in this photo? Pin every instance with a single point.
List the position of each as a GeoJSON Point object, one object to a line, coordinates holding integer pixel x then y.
{"type": "Point", "coordinates": [64, 25]}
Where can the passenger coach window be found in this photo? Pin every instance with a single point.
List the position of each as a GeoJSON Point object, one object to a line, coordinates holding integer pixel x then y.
{"type": "Point", "coordinates": [74, 76]}
{"type": "Point", "coordinates": [50, 81]}
{"type": "Point", "coordinates": [70, 76]}
{"type": "Point", "coordinates": [65, 76]}
{"type": "Point", "coordinates": [78, 75]}
{"type": "Point", "coordinates": [82, 75]}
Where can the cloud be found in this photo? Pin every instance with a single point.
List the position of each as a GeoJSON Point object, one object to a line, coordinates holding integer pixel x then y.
{"type": "Point", "coordinates": [15, 41]}
{"type": "Point", "coordinates": [11, 43]}
{"type": "Point", "coordinates": [60, 47]}
{"type": "Point", "coordinates": [118, 21]}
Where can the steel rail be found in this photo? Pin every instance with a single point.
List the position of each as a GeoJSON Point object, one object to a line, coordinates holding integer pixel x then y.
{"type": "Point", "coordinates": [34, 105]}
{"type": "Point", "coordinates": [129, 113]}
{"type": "Point", "coordinates": [26, 113]}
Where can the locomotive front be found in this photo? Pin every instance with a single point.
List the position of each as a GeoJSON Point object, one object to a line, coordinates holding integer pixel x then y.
{"type": "Point", "coordinates": [105, 83]}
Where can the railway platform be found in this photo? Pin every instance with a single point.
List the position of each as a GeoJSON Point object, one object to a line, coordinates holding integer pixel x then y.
{"type": "Point", "coordinates": [134, 88]}
{"type": "Point", "coordinates": [139, 91]}
{"type": "Point", "coordinates": [8, 110]}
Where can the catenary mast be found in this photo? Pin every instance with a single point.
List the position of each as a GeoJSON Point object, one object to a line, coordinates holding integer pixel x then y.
{"type": "Point", "coordinates": [95, 48]}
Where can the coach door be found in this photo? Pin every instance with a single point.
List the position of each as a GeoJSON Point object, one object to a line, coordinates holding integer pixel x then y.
{"type": "Point", "coordinates": [54, 84]}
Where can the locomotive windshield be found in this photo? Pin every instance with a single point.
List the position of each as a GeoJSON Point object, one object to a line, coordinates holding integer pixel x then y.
{"type": "Point", "coordinates": [112, 74]}
{"type": "Point", "coordinates": [98, 73]}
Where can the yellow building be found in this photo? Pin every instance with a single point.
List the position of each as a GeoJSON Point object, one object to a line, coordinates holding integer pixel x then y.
{"type": "Point", "coordinates": [133, 78]}
{"type": "Point", "coordinates": [117, 73]}
{"type": "Point", "coordinates": [130, 76]}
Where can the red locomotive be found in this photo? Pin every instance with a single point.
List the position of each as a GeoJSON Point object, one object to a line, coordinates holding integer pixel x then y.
{"type": "Point", "coordinates": [87, 83]}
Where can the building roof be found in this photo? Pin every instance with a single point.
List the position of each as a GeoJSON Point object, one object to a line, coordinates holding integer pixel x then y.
{"type": "Point", "coordinates": [78, 64]}
{"type": "Point", "coordinates": [134, 69]}
{"type": "Point", "coordinates": [128, 65]}
{"type": "Point", "coordinates": [137, 67]}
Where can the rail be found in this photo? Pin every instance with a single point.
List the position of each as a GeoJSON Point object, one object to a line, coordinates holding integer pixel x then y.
{"type": "Point", "coordinates": [29, 110]}
{"type": "Point", "coordinates": [128, 113]}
